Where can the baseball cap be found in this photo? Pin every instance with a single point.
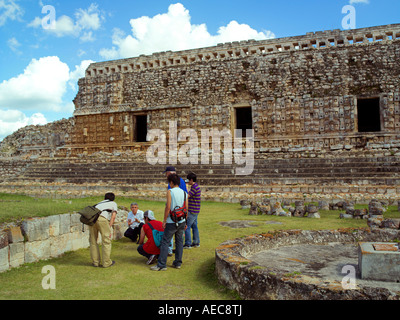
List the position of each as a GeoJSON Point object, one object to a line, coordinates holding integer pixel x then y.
{"type": "Point", "coordinates": [149, 214]}
{"type": "Point", "coordinates": [169, 169]}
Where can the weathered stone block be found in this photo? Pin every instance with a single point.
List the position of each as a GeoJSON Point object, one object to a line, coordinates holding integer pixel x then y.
{"type": "Point", "coordinates": [374, 222]}
{"type": "Point", "coordinates": [314, 215]}
{"type": "Point", "coordinates": [76, 224]}
{"type": "Point", "coordinates": [4, 262]}
{"type": "Point", "coordinates": [312, 208]}
{"type": "Point", "coordinates": [378, 265]}
{"type": "Point", "coordinates": [323, 205]}
{"type": "Point", "coordinates": [37, 250]}
{"type": "Point", "coordinates": [54, 225]}
{"type": "Point", "coordinates": [15, 235]}
{"type": "Point", "coordinates": [59, 245]}
{"type": "Point", "coordinates": [36, 229]}
{"type": "Point", "coordinates": [118, 230]}
{"type": "Point", "coordinates": [253, 210]}
{"type": "Point", "coordinates": [79, 240]}
{"type": "Point", "coordinates": [3, 239]}
{"type": "Point", "coordinates": [65, 223]}
{"type": "Point", "coordinates": [346, 216]}
{"type": "Point", "coordinates": [391, 224]}
{"type": "Point", "coordinates": [245, 204]}
{"type": "Point", "coordinates": [265, 209]}
{"type": "Point", "coordinates": [17, 254]}
{"type": "Point", "coordinates": [299, 211]}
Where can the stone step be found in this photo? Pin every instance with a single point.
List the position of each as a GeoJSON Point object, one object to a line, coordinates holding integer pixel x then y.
{"type": "Point", "coordinates": [233, 180]}
{"type": "Point", "coordinates": [213, 177]}
{"type": "Point", "coordinates": [285, 163]}
{"type": "Point", "coordinates": [374, 170]}
{"type": "Point", "coordinates": [269, 170]}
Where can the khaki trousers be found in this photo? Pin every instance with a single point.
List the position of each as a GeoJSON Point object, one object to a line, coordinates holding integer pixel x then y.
{"type": "Point", "coordinates": [103, 226]}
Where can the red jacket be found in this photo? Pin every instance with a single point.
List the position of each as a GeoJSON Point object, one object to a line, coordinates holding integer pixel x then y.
{"type": "Point", "coordinates": [150, 247]}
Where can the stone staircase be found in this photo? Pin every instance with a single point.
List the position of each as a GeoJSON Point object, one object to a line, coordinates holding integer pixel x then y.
{"type": "Point", "coordinates": [306, 171]}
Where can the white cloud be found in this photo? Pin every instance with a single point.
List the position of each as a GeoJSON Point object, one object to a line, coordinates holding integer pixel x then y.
{"type": "Point", "coordinates": [9, 10]}
{"type": "Point", "coordinates": [14, 44]}
{"type": "Point", "coordinates": [64, 27]}
{"type": "Point", "coordinates": [174, 31]}
{"type": "Point", "coordinates": [89, 19]}
{"type": "Point", "coordinates": [35, 23]}
{"type": "Point", "coordinates": [40, 87]}
{"type": "Point", "coordinates": [86, 21]}
{"type": "Point", "coordinates": [87, 36]}
{"type": "Point", "coordinates": [12, 120]}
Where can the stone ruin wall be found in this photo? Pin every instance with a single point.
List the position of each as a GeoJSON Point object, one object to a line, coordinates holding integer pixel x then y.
{"type": "Point", "coordinates": [37, 140]}
{"type": "Point", "coordinates": [38, 239]}
{"type": "Point", "coordinates": [302, 90]}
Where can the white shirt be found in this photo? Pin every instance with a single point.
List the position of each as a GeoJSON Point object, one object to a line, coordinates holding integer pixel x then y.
{"type": "Point", "coordinates": [177, 200]}
{"type": "Point", "coordinates": [139, 215]}
{"type": "Point", "coordinates": [107, 205]}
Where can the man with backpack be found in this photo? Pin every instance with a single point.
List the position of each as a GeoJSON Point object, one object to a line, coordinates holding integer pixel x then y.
{"type": "Point", "coordinates": [174, 224]}
{"type": "Point", "coordinates": [103, 226]}
{"type": "Point", "coordinates": [149, 249]}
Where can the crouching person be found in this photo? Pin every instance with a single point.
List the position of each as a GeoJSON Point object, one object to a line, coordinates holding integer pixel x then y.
{"type": "Point", "coordinates": [135, 223]}
{"type": "Point", "coordinates": [149, 249]}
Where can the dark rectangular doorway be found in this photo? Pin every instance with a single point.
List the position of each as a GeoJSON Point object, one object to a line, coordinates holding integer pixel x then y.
{"type": "Point", "coordinates": [369, 115]}
{"type": "Point", "coordinates": [141, 128]}
{"type": "Point", "coordinates": [244, 119]}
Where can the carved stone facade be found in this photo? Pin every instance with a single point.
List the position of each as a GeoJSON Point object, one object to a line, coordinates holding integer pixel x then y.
{"type": "Point", "coordinates": [325, 90]}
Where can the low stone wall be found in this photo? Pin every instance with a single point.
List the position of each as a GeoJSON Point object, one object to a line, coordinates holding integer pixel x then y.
{"type": "Point", "coordinates": [253, 282]}
{"type": "Point", "coordinates": [44, 238]}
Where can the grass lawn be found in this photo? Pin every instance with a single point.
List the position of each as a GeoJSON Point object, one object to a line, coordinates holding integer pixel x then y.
{"type": "Point", "coordinates": [131, 278]}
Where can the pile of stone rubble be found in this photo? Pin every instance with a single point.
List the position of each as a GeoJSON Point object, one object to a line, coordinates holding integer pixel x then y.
{"type": "Point", "coordinates": [373, 215]}
{"type": "Point", "coordinates": [278, 208]}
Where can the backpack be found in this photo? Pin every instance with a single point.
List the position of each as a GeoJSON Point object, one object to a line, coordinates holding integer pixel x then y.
{"type": "Point", "coordinates": [90, 214]}
{"type": "Point", "coordinates": [179, 214]}
{"type": "Point", "coordinates": [157, 235]}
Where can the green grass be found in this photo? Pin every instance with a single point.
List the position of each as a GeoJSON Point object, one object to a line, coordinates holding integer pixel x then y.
{"type": "Point", "coordinates": [131, 278]}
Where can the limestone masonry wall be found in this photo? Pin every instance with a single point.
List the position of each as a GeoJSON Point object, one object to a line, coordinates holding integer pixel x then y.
{"type": "Point", "coordinates": [302, 91]}
{"type": "Point", "coordinates": [40, 140]}
{"type": "Point", "coordinates": [44, 238]}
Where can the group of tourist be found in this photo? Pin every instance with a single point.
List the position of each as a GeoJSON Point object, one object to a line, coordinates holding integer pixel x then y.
{"type": "Point", "coordinates": [141, 225]}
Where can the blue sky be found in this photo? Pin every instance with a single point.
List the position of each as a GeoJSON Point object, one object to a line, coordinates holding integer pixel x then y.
{"type": "Point", "coordinates": [39, 67]}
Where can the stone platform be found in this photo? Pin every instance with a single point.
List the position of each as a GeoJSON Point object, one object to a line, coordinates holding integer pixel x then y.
{"type": "Point", "coordinates": [301, 265]}
{"type": "Point", "coordinates": [379, 261]}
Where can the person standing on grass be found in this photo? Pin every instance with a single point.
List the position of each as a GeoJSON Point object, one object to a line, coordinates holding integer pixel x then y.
{"type": "Point", "coordinates": [171, 170]}
{"type": "Point", "coordinates": [194, 210]}
{"type": "Point", "coordinates": [103, 226]}
{"type": "Point", "coordinates": [175, 199]}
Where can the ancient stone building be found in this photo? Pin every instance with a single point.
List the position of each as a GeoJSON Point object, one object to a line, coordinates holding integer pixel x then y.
{"type": "Point", "coordinates": [324, 110]}
{"type": "Point", "coordinates": [325, 90]}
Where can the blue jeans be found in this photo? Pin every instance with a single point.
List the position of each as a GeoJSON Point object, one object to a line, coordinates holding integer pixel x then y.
{"type": "Point", "coordinates": [192, 224]}
{"type": "Point", "coordinates": [170, 230]}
